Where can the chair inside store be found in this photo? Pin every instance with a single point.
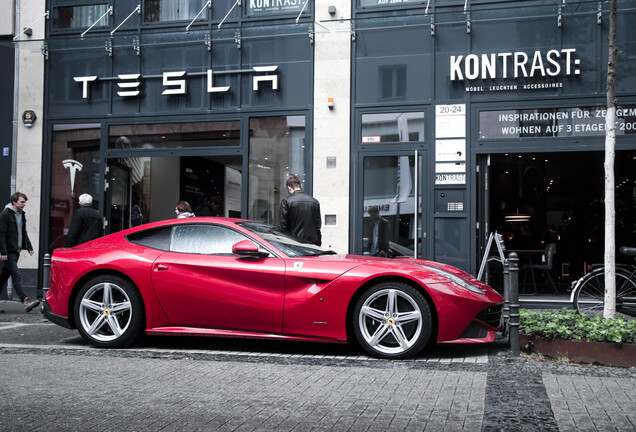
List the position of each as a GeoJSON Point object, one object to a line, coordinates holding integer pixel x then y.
{"type": "Point", "coordinates": [540, 266]}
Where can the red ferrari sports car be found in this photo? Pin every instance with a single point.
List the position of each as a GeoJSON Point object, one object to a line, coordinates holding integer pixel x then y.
{"type": "Point", "coordinates": [239, 278]}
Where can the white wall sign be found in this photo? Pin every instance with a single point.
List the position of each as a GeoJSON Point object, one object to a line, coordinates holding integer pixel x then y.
{"type": "Point", "coordinates": [450, 167]}
{"type": "Point", "coordinates": [450, 179]}
{"type": "Point", "coordinates": [450, 121]}
{"type": "Point", "coordinates": [450, 150]}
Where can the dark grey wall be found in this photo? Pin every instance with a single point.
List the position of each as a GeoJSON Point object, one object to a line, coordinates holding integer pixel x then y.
{"type": "Point", "coordinates": [7, 61]}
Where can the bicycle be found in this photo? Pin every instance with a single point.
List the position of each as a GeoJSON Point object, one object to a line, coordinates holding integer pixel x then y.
{"type": "Point", "coordinates": [588, 294]}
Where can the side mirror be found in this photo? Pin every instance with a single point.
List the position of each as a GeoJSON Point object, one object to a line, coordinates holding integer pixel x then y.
{"type": "Point", "coordinates": [247, 248]}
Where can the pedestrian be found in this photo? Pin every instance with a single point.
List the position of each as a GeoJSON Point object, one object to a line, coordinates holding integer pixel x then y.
{"type": "Point", "coordinates": [299, 213]}
{"type": "Point", "coordinates": [13, 239]}
{"type": "Point", "coordinates": [86, 224]}
{"type": "Point", "coordinates": [183, 210]}
{"type": "Point", "coordinates": [377, 231]}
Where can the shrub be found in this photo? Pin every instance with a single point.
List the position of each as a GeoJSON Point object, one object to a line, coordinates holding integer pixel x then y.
{"type": "Point", "coordinates": [569, 325]}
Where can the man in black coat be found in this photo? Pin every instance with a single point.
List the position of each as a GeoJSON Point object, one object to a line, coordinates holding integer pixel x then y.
{"type": "Point", "coordinates": [299, 213]}
{"type": "Point", "coordinates": [86, 224]}
{"type": "Point", "coordinates": [13, 239]}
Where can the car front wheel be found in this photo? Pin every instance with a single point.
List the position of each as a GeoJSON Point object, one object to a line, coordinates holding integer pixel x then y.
{"type": "Point", "coordinates": [109, 312]}
{"type": "Point", "coordinates": [392, 320]}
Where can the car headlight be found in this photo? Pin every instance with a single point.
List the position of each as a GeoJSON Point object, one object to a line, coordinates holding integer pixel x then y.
{"type": "Point", "coordinates": [456, 279]}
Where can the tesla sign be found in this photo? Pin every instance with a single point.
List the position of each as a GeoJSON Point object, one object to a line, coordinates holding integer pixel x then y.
{"type": "Point", "coordinates": [175, 83]}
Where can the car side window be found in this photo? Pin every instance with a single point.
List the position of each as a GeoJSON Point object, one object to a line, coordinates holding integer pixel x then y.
{"type": "Point", "coordinates": [158, 238]}
{"type": "Point", "coordinates": [204, 239]}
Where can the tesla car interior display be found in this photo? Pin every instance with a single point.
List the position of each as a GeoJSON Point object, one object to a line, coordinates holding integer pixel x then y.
{"type": "Point", "coordinates": [237, 278]}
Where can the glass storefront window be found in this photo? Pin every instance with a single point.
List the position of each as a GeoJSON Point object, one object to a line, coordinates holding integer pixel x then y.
{"type": "Point", "coordinates": [173, 10]}
{"type": "Point", "coordinates": [74, 171]}
{"type": "Point", "coordinates": [392, 127]}
{"type": "Point", "coordinates": [276, 150]}
{"type": "Point", "coordinates": [175, 135]}
{"type": "Point", "coordinates": [69, 17]}
{"type": "Point", "coordinates": [146, 189]}
{"type": "Point", "coordinates": [542, 198]}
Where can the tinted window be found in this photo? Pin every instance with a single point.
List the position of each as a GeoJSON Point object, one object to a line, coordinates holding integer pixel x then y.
{"type": "Point", "coordinates": [392, 127]}
{"type": "Point", "coordinates": [173, 10]}
{"type": "Point", "coordinates": [158, 238]}
{"type": "Point", "coordinates": [204, 239]}
{"type": "Point", "coordinates": [79, 16]}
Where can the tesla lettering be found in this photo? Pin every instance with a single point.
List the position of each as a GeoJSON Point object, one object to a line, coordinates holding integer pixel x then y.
{"type": "Point", "coordinates": [179, 84]}
{"type": "Point", "coordinates": [129, 83]}
{"type": "Point", "coordinates": [134, 84]}
{"type": "Point", "coordinates": [84, 81]}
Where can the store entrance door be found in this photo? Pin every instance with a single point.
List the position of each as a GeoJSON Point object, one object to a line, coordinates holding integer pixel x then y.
{"type": "Point", "coordinates": [391, 219]}
{"type": "Point", "coordinates": [146, 189]}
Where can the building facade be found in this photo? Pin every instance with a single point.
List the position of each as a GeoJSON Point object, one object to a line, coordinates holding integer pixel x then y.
{"type": "Point", "coordinates": [455, 119]}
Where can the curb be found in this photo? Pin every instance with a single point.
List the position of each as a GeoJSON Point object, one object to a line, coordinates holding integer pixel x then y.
{"type": "Point", "coordinates": [606, 354]}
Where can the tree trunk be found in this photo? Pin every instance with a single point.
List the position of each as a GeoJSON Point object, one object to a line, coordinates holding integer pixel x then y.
{"type": "Point", "coordinates": [610, 143]}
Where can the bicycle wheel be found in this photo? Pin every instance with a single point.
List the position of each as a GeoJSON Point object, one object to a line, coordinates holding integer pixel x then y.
{"type": "Point", "coordinates": [589, 297]}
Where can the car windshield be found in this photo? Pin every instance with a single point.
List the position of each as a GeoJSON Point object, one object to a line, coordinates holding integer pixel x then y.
{"type": "Point", "coordinates": [290, 245]}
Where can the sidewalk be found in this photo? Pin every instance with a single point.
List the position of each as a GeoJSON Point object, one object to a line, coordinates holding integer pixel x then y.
{"type": "Point", "coordinates": [188, 384]}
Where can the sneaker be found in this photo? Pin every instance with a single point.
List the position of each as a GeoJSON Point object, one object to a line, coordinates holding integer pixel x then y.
{"type": "Point", "coordinates": [29, 304]}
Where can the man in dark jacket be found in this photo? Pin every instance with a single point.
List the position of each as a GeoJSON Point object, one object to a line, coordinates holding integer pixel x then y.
{"type": "Point", "coordinates": [13, 239]}
{"type": "Point", "coordinates": [300, 213]}
{"type": "Point", "coordinates": [86, 223]}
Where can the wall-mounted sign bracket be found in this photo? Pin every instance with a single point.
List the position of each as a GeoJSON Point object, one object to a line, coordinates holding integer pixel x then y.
{"type": "Point", "coordinates": [207, 5]}
{"type": "Point", "coordinates": [45, 51]}
{"type": "Point", "coordinates": [238, 2]}
{"type": "Point", "coordinates": [301, 11]}
{"type": "Point", "coordinates": [28, 30]}
{"type": "Point", "coordinates": [108, 46]}
{"type": "Point", "coordinates": [137, 9]}
{"type": "Point", "coordinates": [108, 11]}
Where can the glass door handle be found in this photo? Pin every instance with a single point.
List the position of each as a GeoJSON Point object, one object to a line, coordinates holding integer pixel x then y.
{"type": "Point", "coordinates": [416, 204]}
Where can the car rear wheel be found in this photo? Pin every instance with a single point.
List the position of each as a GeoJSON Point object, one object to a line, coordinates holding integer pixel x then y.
{"type": "Point", "coordinates": [392, 320]}
{"type": "Point", "coordinates": [109, 312]}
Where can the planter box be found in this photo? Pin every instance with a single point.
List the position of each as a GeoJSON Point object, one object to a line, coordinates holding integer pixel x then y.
{"type": "Point", "coordinates": [607, 354]}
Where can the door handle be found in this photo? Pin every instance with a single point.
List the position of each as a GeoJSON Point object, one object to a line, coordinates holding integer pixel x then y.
{"type": "Point", "coordinates": [160, 267]}
{"type": "Point", "coordinates": [416, 205]}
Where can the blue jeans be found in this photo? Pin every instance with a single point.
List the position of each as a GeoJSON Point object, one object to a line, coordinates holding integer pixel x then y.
{"type": "Point", "coordinates": [10, 268]}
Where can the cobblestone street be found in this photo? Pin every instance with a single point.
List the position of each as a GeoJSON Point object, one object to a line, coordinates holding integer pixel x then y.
{"type": "Point", "coordinates": [52, 380]}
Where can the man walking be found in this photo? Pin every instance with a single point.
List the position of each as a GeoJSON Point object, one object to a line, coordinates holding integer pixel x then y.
{"type": "Point", "coordinates": [13, 239]}
{"type": "Point", "coordinates": [299, 213]}
{"type": "Point", "coordinates": [86, 223]}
